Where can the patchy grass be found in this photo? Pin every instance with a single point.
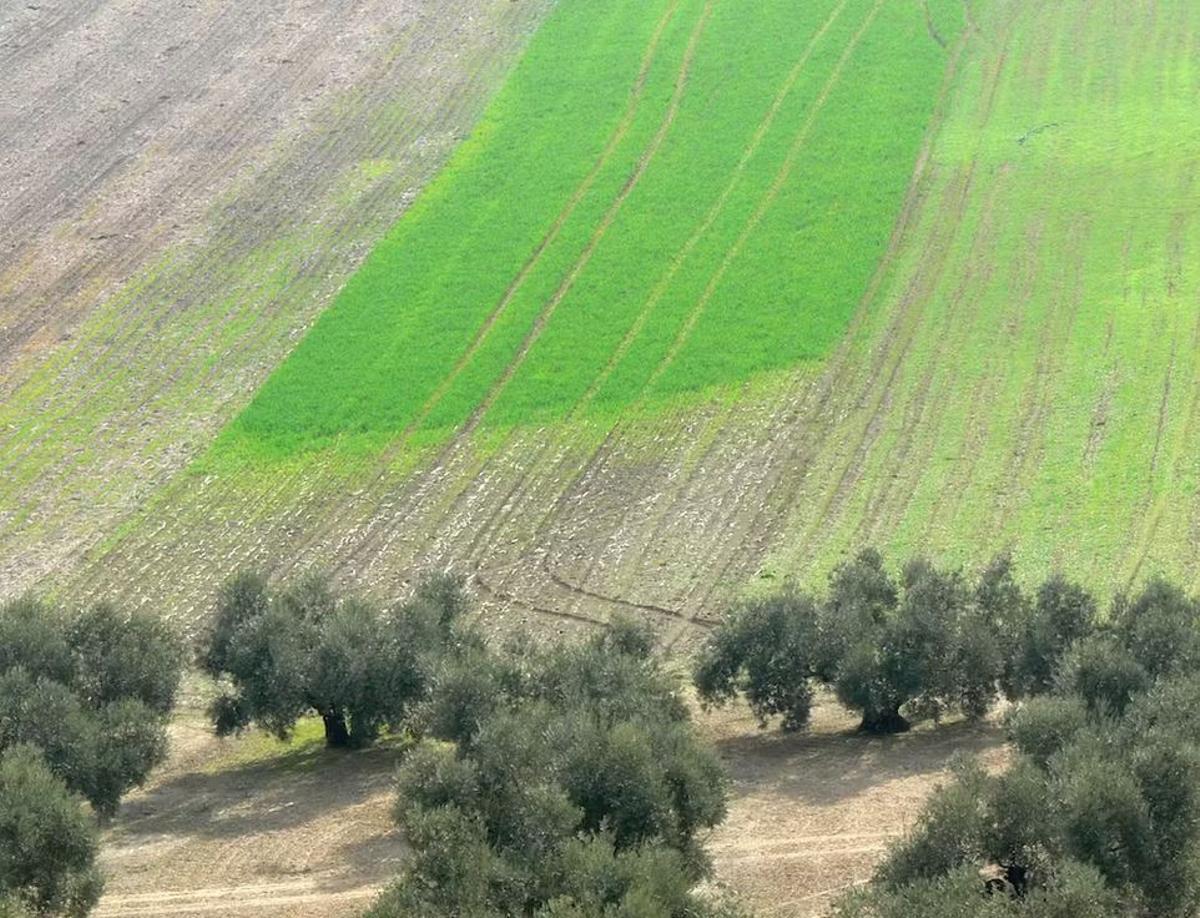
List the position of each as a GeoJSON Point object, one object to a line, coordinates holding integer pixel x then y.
{"type": "Point", "coordinates": [1029, 379]}
{"type": "Point", "coordinates": [257, 747]}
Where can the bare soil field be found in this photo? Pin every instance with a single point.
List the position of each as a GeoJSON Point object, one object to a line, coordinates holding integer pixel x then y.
{"type": "Point", "coordinates": [296, 832]}
{"type": "Point", "coordinates": [243, 827]}
{"type": "Point", "coordinates": [813, 813]}
{"type": "Point", "coordinates": [183, 185]}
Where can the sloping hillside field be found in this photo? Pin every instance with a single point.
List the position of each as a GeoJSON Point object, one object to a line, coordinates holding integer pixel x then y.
{"type": "Point", "coordinates": [622, 306]}
{"type": "Point", "coordinates": [606, 246]}
{"type": "Point", "coordinates": [708, 295]}
{"type": "Point", "coordinates": [613, 230]}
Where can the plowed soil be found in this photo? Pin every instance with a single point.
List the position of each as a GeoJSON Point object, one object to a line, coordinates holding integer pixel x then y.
{"type": "Point", "coordinates": [183, 186]}
{"type": "Point", "coordinates": [1024, 372]}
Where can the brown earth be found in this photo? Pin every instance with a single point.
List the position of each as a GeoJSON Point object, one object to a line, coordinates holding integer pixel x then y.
{"type": "Point", "coordinates": [183, 186]}
{"type": "Point", "coordinates": [226, 829]}
{"type": "Point", "coordinates": [304, 832]}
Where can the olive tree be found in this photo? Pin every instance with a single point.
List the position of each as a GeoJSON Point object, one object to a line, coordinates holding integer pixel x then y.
{"type": "Point", "coordinates": [764, 651]}
{"type": "Point", "coordinates": [48, 840]}
{"type": "Point", "coordinates": [284, 653]}
{"type": "Point", "coordinates": [1102, 801]}
{"type": "Point", "coordinates": [1160, 628]}
{"type": "Point", "coordinates": [1063, 613]}
{"type": "Point", "coordinates": [563, 781]}
{"type": "Point", "coordinates": [92, 690]}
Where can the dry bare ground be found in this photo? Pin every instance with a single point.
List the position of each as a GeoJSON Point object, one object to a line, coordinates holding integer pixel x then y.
{"type": "Point", "coordinates": [813, 813]}
{"type": "Point", "coordinates": [309, 832]}
{"type": "Point", "coordinates": [306, 832]}
{"type": "Point", "coordinates": [183, 186]}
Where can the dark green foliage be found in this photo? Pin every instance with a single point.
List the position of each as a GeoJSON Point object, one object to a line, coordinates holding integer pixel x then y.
{"type": "Point", "coordinates": [1169, 706]}
{"type": "Point", "coordinates": [1020, 834]}
{"type": "Point", "coordinates": [453, 870]}
{"type": "Point", "coordinates": [1073, 891]}
{"type": "Point", "coordinates": [302, 649]}
{"type": "Point", "coordinates": [12, 907]}
{"type": "Point", "coordinates": [33, 637]}
{"type": "Point", "coordinates": [1099, 814]}
{"type": "Point", "coordinates": [1004, 610]}
{"type": "Point", "coordinates": [101, 754]}
{"type": "Point", "coordinates": [1101, 672]}
{"type": "Point", "coordinates": [763, 651]}
{"type": "Point", "coordinates": [48, 716]}
{"type": "Point", "coordinates": [130, 742]}
{"type": "Point", "coordinates": [91, 690]}
{"type": "Point", "coordinates": [470, 688]}
{"type": "Point", "coordinates": [1044, 725]}
{"type": "Point", "coordinates": [561, 781]}
{"type": "Point", "coordinates": [935, 643]}
{"type": "Point", "coordinates": [651, 881]}
{"type": "Point", "coordinates": [949, 832]}
{"type": "Point", "coordinates": [118, 657]}
{"type": "Point", "coordinates": [48, 840]}
{"type": "Point", "coordinates": [1167, 773]}
{"type": "Point", "coordinates": [1160, 627]}
{"type": "Point", "coordinates": [956, 894]}
{"type": "Point", "coordinates": [921, 648]}
{"type": "Point", "coordinates": [100, 653]}
{"type": "Point", "coordinates": [862, 597]}
{"type": "Point", "coordinates": [1025, 826]}
{"type": "Point", "coordinates": [862, 652]}
{"type": "Point", "coordinates": [1104, 820]}
{"type": "Point", "coordinates": [1063, 613]}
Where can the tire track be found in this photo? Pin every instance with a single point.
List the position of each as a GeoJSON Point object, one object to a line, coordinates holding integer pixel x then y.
{"type": "Point", "coordinates": [391, 504]}
{"type": "Point", "coordinates": [792, 404]}
{"type": "Point", "coordinates": [231, 900]}
{"type": "Point", "coordinates": [924, 414]}
{"type": "Point", "coordinates": [761, 131]}
{"type": "Point", "coordinates": [777, 186]}
{"type": "Point", "coordinates": [341, 136]}
{"type": "Point", "coordinates": [647, 157]}
{"type": "Point", "coordinates": [623, 127]}
{"type": "Point", "coordinates": [660, 289]}
{"type": "Point", "coordinates": [601, 230]}
{"type": "Point", "coordinates": [883, 373]}
{"type": "Point", "coordinates": [815, 405]}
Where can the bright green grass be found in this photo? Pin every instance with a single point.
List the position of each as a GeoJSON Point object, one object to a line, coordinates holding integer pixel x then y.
{"type": "Point", "coordinates": [1046, 396]}
{"type": "Point", "coordinates": [722, 221]}
{"type": "Point", "coordinates": [299, 751]}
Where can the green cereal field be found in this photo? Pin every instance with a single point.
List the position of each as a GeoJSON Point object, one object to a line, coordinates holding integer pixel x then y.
{"type": "Point", "coordinates": [666, 196]}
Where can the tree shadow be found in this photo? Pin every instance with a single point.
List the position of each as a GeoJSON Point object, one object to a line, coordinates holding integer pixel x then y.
{"type": "Point", "coordinates": [274, 795]}
{"type": "Point", "coordinates": [827, 767]}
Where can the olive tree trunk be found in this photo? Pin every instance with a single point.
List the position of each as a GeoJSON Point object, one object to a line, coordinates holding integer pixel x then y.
{"type": "Point", "coordinates": [336, 733]}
